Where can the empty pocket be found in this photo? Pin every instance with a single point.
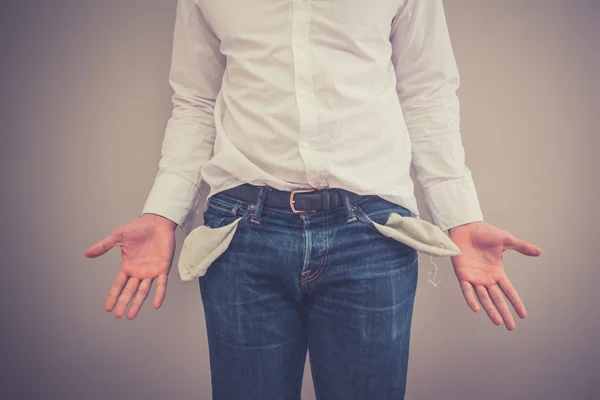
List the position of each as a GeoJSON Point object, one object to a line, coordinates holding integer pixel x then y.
{"type": "Point", "coordinates": [203, 246]}
{"type": "Point", "coordinates": [417, 233]}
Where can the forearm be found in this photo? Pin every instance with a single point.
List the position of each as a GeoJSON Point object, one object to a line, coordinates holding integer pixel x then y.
{"type": "Point", "coordinates": [438, 159]}
{"type": "Point", "coordinates": [197, 69]}
{"type": "Point", "coordinates": [427, 81]}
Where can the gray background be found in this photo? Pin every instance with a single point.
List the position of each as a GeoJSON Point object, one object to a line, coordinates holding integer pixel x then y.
{"type": "Point", "coordinates": [85, 100]}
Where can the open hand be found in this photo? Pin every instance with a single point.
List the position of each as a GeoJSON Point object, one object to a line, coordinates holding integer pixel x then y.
{"type": "Point", "coordinates": [479, 267]}
{"type": "Point", "coordinates": [147, 248]}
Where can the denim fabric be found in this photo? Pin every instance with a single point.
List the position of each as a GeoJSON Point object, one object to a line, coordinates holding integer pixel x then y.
{"type": "Point", "coordinates": [328, 282]}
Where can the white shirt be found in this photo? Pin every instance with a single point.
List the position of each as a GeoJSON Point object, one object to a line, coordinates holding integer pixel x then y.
{"type": "Point", "coordinates": [314, 94]}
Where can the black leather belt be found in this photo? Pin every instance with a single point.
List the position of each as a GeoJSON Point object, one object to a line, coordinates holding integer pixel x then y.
{"type": "Point", "coordinates": [300, 200]}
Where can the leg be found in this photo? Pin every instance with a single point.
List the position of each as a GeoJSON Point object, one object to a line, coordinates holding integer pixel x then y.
{"type": "Point", "coordinates": [254, 318]}
{"type": "Point", "coordinates": [360, 312]}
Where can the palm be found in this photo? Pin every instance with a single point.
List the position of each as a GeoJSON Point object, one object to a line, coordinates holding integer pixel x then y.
{"type": "Point", "coordinates": [147, 248]}
{"type": "Point", "coordinates": [480, 267]}
{"type": "Point", "coordinates": [480, 261]}
{"type": "Point", "coordinates": [145, 254]}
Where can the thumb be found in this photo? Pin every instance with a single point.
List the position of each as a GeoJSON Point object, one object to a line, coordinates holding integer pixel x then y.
{"type": "Point", "coordinates": [104, 245]}
{"type": "Point", "coordinates": [523, 247]}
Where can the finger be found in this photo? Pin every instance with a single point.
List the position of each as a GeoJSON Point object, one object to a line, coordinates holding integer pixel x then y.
{"type": "Point", "coordinates": [487, 304]}
{"type": "Point", "coordinates": [161, 290]}
{"type": "Point", "coordinates": [523, 247]}
{"type": "Point", "coordinates": [126, 296]}
{"type": "Point", "coordinates": [104, 245]}
{"type": "Point", "coordinates": [467, 291]}
{"type": "Point", "coordinates": [140, 297]}
{"type": "Point", "coordinates": [115, 291]}
{"type": "Point", "coordinates": [512, 296]}
{"type": "Point", "coordinates": [501, 306]}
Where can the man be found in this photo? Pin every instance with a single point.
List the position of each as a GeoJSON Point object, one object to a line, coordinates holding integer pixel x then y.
{"type": "Point", "coordinates": [304, 118]}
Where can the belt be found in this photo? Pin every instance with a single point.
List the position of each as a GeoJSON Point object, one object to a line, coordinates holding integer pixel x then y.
{"type": "Point", "coordinates": [299, 200]}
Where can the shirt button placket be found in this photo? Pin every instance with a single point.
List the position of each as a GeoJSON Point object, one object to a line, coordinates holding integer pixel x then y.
{"type": "Point", "coordinates": [304, 84]}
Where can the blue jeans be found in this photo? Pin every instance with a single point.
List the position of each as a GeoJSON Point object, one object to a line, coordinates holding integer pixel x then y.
{"type": "Point", "coordinates": [327, 282]}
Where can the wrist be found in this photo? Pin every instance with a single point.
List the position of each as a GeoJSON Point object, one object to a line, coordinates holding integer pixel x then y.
{"type": "Point", "coordinates": [160, 220]}
{"type": "Point", "coordinates": [464, 226]}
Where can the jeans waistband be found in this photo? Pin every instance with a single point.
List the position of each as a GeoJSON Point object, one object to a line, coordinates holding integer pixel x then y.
{"type": "Point", "coordinates": [297, 201]}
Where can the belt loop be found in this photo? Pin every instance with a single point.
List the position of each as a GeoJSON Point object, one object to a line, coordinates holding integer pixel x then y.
{"type": "Point", "coordinates": [258, 206]}
{"type": "Point", "coordinates": [351, 216]}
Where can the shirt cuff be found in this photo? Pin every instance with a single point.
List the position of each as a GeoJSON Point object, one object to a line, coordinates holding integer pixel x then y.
{"type": "Point", "coordinates": [453, 202]}
{"type": "Point", "coordinates": [175, 198]}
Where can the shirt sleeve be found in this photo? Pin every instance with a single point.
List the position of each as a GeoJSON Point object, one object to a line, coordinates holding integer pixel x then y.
{"type": "Point", "coordinates": [427, 79]}
{"type": "Point", "coordinates": [196, 73]}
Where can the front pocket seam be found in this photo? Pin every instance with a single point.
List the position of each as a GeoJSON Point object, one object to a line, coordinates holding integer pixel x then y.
{"type": "Point", "coordinates": [220, 209]}
{"type": "Point", "coordinates": [244, 218]}
{"type": "Point", "coordinates": [363, 217]}
{"type": "Point", "coordinates": [226, 214]}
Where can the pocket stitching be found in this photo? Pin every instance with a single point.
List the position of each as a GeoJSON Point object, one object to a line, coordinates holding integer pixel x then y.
{"type": "Point", "coordinates": [363, 217]}
{"type": "Point", "coordinates": [220, 222]}
{"type": "Point", "coordinates": [219, 208]}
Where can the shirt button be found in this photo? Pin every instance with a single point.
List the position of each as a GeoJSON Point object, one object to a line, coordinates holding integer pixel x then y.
{"type": "Point", "coordinates": [313, 128]}
{"type": "Point", "coordinates": [305, 145]}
